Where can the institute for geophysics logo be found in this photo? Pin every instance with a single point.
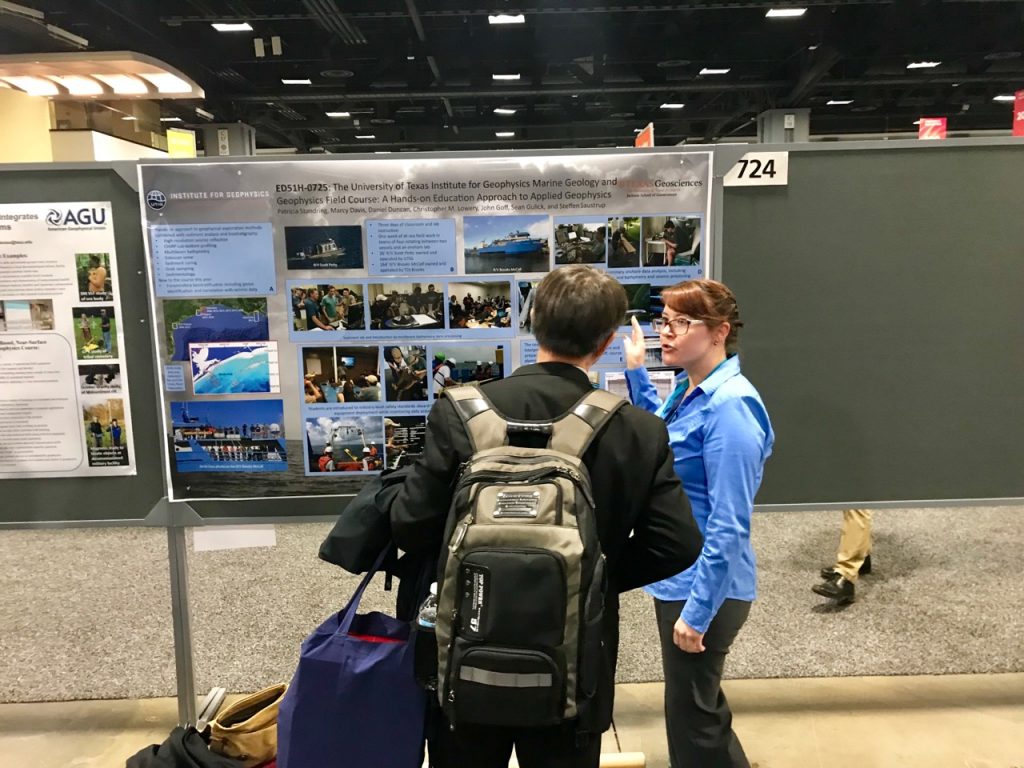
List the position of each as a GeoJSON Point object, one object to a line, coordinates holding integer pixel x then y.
{"type": "Point", "coordinates": [156, 199]}
{"type": "Point", "coordinates": [80, 217]}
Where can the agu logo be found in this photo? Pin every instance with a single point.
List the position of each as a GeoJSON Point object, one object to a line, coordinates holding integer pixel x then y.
{"type": "Point", "coordinates": [83, 217]}
{"type": "Point", "coordinates": [156, 199]}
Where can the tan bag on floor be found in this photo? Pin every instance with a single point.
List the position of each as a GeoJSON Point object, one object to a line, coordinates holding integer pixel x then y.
{"type": "Point", "coordinates": [247, 730]}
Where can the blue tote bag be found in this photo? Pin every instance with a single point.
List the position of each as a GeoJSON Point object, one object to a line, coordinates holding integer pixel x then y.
{"type": "Point", "coordinates": [354, 702]}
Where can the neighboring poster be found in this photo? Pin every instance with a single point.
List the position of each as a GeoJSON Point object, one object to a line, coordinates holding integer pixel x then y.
{"type": "Point", "coordinates": [1018, 114]}
{"type": "Point", "coordinates": [931, 128]}
{"type": "Point", "coordinates": [63, 374]}
{"type": "Point", "coordinates": [346, 295]}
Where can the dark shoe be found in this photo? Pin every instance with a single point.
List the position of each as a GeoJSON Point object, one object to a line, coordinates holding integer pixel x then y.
{"type": "Point", "coordinates": [839, 589]}
{"type": "Point", "coordinates": [830, 573]}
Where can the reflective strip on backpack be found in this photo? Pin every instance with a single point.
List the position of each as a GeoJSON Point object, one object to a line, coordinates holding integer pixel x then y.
{"type": "Point", "coordinates": [505, 679]}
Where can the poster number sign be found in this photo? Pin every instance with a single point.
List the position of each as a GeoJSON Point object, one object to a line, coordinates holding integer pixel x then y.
{"type": "Point", "coordinates": [759, 169]}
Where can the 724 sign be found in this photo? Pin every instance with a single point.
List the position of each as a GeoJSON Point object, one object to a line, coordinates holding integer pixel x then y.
{"type": "Point", "coordinates": [759, 169]}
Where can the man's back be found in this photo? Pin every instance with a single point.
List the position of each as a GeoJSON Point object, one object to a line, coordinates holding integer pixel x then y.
{"type": "Point", "coordinates": [635, 490]}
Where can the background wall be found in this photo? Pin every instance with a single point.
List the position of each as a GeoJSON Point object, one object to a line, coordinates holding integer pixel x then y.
{"type": "Point", "coordinates": [25, 128]}
{"type": "Point", "coordinates": [94, 620]}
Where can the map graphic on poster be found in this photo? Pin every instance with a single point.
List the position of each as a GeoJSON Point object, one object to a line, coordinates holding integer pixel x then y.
{"type": "Point", "coordinates": [350, 293]}
{"type": "Point", "coordinates": [65, 409]}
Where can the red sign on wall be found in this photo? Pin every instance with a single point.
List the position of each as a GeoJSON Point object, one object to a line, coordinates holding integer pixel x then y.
{"type": "Point", "coordinates": [1018, 114]}
{"type": "Point", "coordinates": [932, 128]}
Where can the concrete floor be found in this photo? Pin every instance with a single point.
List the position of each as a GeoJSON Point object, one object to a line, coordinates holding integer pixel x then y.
{"type": "Point", "coordinates": [961, 721]}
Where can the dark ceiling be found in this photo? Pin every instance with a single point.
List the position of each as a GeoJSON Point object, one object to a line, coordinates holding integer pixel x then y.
{"type": "Point", "coordinates": [417, 74]}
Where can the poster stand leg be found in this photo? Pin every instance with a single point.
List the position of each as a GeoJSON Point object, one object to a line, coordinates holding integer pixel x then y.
{"type": "Point", "coordinates": [184, 673]}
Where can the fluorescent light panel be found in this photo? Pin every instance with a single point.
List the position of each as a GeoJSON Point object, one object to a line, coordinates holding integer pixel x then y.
{"type": "Point", "coordinates": [129, 117]}
{"type": "Point", "coordinates": [513, 76]}
{"type": "Point", "coordinates": [785, 13]}
{"type": "Point", "coordinates": [338, 114]}
{"type": "Point", "coordinates": [77, 85]}
{"type": "Point", "coordinates": [124, 84]}
{"type": "Point", "coordinates": [923, 64]}
{"type": "Point", "coordinates": [713, 71]}
{"type": "Point", "coordinates": [839, 102]}
{"type": "Point", "coordinates": [506, 18]}
{"type": "Point", "coordinates": [296, 81]}
{"type": "Point", "coordinates": [1000, 97]}
{"type": "Point", "coordinates": [34, 86]}
{"type": "Point", "coordinates": [170, 119]}
{"type": "Point", "coordinates": [504, 134]}
{"type": "Point", "coordinates": [672, 105]}
{"type": "Point", "coordinates": [365, 136]}
{"type": "Point", "coordinates": [242, 27]}
{"type": "Point", "coordinates": [504, 111]}
{"type": "Point", "coordinates": [165, 82]}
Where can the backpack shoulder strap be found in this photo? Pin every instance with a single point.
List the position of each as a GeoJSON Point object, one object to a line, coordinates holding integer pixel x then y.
{"type": "Point", "coordinates": [484, 425]}
{"type": "Point", "coordinates": [576, 430]}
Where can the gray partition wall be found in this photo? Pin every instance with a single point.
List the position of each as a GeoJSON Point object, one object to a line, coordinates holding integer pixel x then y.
{"type": "Point", "coordinates": [883, 296]}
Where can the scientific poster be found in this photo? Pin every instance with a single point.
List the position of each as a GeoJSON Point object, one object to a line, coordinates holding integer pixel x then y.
{"type": "Point", "coordinates": [64, 410]}
{"type": "Point", "coordinates": [349, 293]}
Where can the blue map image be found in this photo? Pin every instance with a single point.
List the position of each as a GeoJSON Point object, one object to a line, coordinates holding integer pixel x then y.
{"type": "Point", "coordinates": [217, 322]}
{"type": "Point", "coordinates": [229, 370]}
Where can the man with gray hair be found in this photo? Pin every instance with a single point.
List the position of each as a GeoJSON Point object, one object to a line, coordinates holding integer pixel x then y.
{"type": "Point", "coordinates": [643, 520]}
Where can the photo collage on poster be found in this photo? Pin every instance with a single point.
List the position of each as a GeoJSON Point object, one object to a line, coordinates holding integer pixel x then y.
{"type": "Point", "coordinates": [98, 358]}
{"type": "Point", "coordinates": [355, 323]}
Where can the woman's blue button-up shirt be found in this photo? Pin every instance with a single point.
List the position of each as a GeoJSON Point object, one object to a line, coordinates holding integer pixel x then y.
{"type": "Point", "coordinates": [720, 436]}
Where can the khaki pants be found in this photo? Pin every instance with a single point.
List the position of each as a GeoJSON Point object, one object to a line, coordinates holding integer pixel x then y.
{"type": "Point", "coordinates": [854, 543]}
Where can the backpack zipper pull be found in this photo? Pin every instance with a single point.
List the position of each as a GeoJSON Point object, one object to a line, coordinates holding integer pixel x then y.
{"type": "Point", "coordinates": [460, 534]}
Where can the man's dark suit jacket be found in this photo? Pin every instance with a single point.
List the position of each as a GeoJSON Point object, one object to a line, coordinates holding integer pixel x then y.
{"type": "Point", "coordinates": [644, 522]}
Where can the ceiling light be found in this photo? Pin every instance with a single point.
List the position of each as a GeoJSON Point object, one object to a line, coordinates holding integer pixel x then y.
{"type": "Point", "coordinates": [382, 152]}
{"type": "Point", "coordinates": [129, 117]}
{"type": "Point", "coordinates": [124, 84]}
{"type": "Point", "coordinates": [1005, 97]}
{"type": "Point", "coordinates": [242, 27]}
{"type": "Point", "coordinates": [34, 86]}
{"type": "Point", "coordinates": [514, 76]}
{"type": "Point", "coordinates": [77, 85]}
{"type": "Point", "coordinates": [165, 82]}
{"type": "Point", "coordinates": [916, 122]}
{"type": "Point", "coordinates": [504, 111]}
{"type": "Point", "coordinates": [839, 102]}
{"type": "Point", "coordinates": [785, 13]}
{"type": "Point", "coordinates": [365, 136]}
{"type": "Point", "coordinates": [504, 134]}
{"type": "Point", "coordinates": [300, 81]}
{"type": "Point", "coordinates": [637, 130]}
{"type": "Point", "coordinates": [338, 114]}
{"type": "Point", "coordinates": [170, 119]}
{"type": "Point", "coordinates": [203, 113]}
{"type": "Point", "coordinates": [711, 71]}
{"type": "Point", "coordinates": [813, 47]}
{"type": "Point", "coordinates": [923, 64]}
{"type": "Point", "coordinates": [410, 58]}
{"type": "Point", "coordinates": [672, 105]}
{"type": "Point", "coordinates": [506, 18]}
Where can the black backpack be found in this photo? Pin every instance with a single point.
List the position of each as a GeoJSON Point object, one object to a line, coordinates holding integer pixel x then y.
{"type": "Point", "coordinates": [522, 581]}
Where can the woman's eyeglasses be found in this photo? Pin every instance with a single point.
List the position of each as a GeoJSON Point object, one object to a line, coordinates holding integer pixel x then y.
{"type": "Point", "coordinates": [677, 326]}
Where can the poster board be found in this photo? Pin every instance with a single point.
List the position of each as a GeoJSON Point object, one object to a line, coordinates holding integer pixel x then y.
{"type": "Point", "coordinates": [881, 296]}
{"type": "Point", "coordinates": [97, 498]}
{"type": "Point", "coordinates": [307, 313]}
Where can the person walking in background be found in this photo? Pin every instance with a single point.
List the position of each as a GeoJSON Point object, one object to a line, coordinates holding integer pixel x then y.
{"type": "Point", "coordinates": [721, 437]}
{"type": "Point", "coordinates": [852, 560]}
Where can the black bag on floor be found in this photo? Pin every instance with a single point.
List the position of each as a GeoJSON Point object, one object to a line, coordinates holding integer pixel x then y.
{"type": "Point", "coordinates": [184, 748]}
